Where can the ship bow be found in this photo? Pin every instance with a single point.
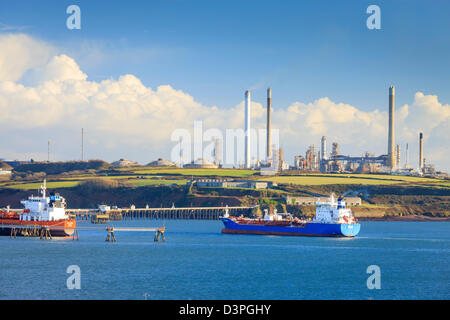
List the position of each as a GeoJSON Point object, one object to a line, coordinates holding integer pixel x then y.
{"type": "Point", "coordinates": [350, 230]}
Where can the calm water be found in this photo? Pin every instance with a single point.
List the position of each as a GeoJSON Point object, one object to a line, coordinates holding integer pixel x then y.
{"type": "Point", "coordinates": [198, 262]}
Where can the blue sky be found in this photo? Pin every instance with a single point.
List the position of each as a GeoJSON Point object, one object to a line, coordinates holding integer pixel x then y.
{"type": "Point", "coordinates": [214, 50]}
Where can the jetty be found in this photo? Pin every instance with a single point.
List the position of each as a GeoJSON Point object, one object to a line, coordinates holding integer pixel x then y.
{"type": "Point", "coordinates": [159, 233]}
{"type": "Point", "coordinates": [44, 232]}
{"type": "Point", "coordinates": [186, 213]}
{"type": "Point", "coordinates": [41, 231]}
{"type": "Point", "coordinates": [97, 216]}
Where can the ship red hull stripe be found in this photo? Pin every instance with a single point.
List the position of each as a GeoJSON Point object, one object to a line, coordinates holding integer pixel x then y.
{"type": "Point", "coordinates": [275, 233]}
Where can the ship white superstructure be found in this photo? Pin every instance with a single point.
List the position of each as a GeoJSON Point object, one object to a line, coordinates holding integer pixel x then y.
{"type": "Point", "coordinates": [44, 208]}
{"type": "Point", "coordinates": [333, 211]}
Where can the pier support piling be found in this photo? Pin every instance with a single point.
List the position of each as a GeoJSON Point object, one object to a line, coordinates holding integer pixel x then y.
{"type": "Point", "coordinates": [110, 236]}
{"type": "Point", "coordinates": [160, 233]}
{"type": "Point", "coordinates": [13, 233]}
{"type": "Point", "coordinates": [45, 233]}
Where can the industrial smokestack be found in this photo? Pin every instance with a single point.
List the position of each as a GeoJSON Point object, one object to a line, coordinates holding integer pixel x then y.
{"type": "Point", "coordinates": [421, 151]}
{"type": "Point", "coordinates": [218, 149]}
{"type": "Point", "coordinates": [335, 149]}
{"type": "Point", "coordinates": [323, 149]}
{"type": "Point", "coordinates": [247, 128]}
{"type": "Point", "coordinates": [397, 156]}
{"type": "Point", "coordinates": [407, 157]}
{"type": "Point", "coordinates": [391, 138]}
{"type": "Point", "coordinates": [269, 106]}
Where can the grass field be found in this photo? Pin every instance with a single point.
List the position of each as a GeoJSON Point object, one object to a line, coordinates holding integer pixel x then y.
{"type": "Point", "coordinates": [238, 173]}
{"type": "Point", "coordinates": [356, 179]}
{"type": "Point", "coordinates": [50, 185]}
{"type": "Point", "coordinates": [368, 176]}
{"type": "Point", "coordinates": [74, 182]}
{"type": "Point", "coordinates": [153, 182]}
{"type": "Point", "coordinates": [167, 176]}
{"type": "Point", "coordinates": [372, 206]}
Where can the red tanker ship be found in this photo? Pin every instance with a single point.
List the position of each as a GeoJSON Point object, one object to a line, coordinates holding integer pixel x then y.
{"type": "Point", "coordinates": [40, 212]}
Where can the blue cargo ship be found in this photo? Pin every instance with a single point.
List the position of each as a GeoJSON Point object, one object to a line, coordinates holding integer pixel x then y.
{"type": "Point", "coordinates": [333, 219]}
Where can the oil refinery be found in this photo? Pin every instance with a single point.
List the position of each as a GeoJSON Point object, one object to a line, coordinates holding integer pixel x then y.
{"type": "Point", "coordinates": [319, 160]}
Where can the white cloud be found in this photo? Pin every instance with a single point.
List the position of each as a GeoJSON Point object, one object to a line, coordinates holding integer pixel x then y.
{"type": "Point", "coordinates": [59, 68]}
{"type": "Point", "coordinates": [124, 118]}
{"type": "Point", "coordinates": [19, 53]}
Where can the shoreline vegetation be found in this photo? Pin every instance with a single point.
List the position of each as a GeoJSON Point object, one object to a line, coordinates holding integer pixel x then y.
{"type": "Point", "coordinates": [90, 183]}
{"type": "Point", "coordinates": [412, 218]}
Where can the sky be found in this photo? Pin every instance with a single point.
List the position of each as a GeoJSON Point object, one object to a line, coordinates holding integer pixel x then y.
{"type": "Point", "coordinates": [138, 70]}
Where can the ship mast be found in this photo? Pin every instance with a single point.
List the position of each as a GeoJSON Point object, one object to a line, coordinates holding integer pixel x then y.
{"type": "Point", "coordinates": [43, 188]}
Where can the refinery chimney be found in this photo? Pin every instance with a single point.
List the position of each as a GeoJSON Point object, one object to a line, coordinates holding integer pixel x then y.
{"type": "Point", "coordinates": [421, 151]}
{"type": "Point", "coordinates": [323, 149]}
{"type": "Point", "coordinates": [407, 157]}
{"type": "Point", "coordinates": [391, 138]}
{"type": "Point", "coordinates": [269, 106]}
{"type": "Point", "coordinates": [247, 129]}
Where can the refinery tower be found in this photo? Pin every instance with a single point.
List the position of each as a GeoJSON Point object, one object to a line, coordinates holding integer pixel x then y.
{"type": "Point", "coordinates": [391, 137]}
{"type": "Point", "coordinates": [247, 129]}
{"type": "Point", "coordinates": [269, 142]}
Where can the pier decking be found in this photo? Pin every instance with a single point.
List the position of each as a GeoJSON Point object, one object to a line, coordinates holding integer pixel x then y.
{"type": "Point", "coordinates": [190, 213]}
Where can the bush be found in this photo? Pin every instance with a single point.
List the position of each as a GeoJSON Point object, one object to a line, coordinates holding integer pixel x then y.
{"type": "Point", "coordinates": [60, 167]}
{"type": "Point", "coordinates": [5, 166]}
{"type": "Point", "coordinates": [101, 184]}
{"type": "Point", "coordinates": [27, 176]}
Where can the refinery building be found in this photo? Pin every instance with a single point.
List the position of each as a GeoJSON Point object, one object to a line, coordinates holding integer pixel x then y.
{"type": "Point", "coordinates": [318, 159]}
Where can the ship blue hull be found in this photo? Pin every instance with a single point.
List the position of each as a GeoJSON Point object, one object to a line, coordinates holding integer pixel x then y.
{"type": "Point", "coordinates": [314, 229]}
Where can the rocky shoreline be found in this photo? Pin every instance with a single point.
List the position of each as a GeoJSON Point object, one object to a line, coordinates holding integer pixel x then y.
{"type": "Point", "coordinates": [404, 218]}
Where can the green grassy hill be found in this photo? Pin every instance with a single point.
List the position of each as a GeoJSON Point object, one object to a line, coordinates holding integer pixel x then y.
{"type": "Point", "coordinates": [382, 194]}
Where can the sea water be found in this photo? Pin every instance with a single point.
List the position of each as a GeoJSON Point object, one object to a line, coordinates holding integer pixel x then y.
{"type": "Point", "coordinates": [198, 262]}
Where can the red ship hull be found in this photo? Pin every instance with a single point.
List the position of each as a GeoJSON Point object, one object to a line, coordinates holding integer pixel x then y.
{"type": "Point", "coordinates": [59, 228]}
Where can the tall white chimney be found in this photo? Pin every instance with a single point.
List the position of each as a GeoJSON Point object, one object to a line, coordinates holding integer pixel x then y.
{"type": "Point", "coordinates": [269, 141]}
{"type": "Point", "coordinates": [391, 135]}
{"type": "Point", "coordinates": [323, 149]}
{"type": "Point", "coordinates": [247, 128]}
{"type": "Point", "coordinates": [421, 151]}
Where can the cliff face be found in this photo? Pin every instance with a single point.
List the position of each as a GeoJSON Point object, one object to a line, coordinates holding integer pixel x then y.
{"type": "Point", "coordinates": [123, 197]}
{"type": "Point", "coordinates": [380, 203]}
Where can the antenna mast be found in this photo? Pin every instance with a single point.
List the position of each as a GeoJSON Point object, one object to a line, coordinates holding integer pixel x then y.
{"type": "Point", "coordinates": [82, 146]}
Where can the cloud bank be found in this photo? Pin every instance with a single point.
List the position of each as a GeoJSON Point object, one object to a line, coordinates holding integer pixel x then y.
{"type": "Point", "coordinates": [44, 94]}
